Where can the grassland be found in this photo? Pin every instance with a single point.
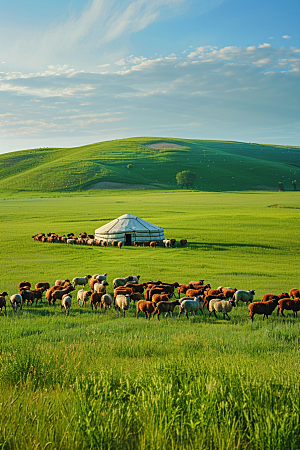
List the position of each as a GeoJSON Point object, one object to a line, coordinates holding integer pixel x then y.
{"type": "Point", "coordinates": [219, 166]}
{"type": "Point", "coordinates": [97, 381]}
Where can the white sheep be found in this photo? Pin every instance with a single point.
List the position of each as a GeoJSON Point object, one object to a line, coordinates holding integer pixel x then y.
{"type": "Point", "coordinates": [167, 242]}
{"type": "Point", "coordinates": [191, 305]}
{"type": "Point", "coordinates": [244, 296]}
{"type": "Point", "coordinates": [82, 297]}
{"type": "Point", "coordinates": [121, 281]}
{"type": "Point", "coordinates": [71, 241]}
{"type": "Point", "coordinates": [222, 306]}
{"type": "Point", "coordinates": [134, 279]}
{"type": "Point", "coordinates": [81, 281]}
{"type": "Point", "coordinates": [122, 302]}
{"type": "Point", "coordinates": [99, 277]}
{"type": "Point", "coordinates": [60, 282]}
{"type": "Point", "coordinates": [100, 288]}
{"type": "Point", "coordinates": [66, 302]}
{"type": "Point", "coordinates": [106, 301]}
{"type": "Point", "coordinates": [16, 301]}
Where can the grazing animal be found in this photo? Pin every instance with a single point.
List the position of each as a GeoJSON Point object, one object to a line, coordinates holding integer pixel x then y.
{"type": "Point", "coordinates": [27, 296]}
{"type": "Point", "coordinates": [294, 293]}
{"type": "Point", "coordinates": [147, 308]}
{"type": "Point", "coordinates": [156, 298]}
{"type": "Point", "coordinates": [106, 302]}
{"type": "Point", "coordinates": [42, 285]}
{"type": "Point", "coordinates": [61, 282]}
{"type": "Point", "coordinates": [66, 302]}
{"type": "Point", "coordinates": [165, 307]}
{"type": "Point", "coordinates": [81, 281]}
{"type": "Point", "coordinates": [121, 281]}
{"type": "Point", "coordinates": [3, 301]}
{"type": "Point", "coordinates": [120, 243]}
{"type": "Point", "coordinates": [58, 295]}
{"type": "Point", "coordinates": [191, 305]}
{"type": "Point", "coordinates": [265, 308]}
{"type": "Point", "coordinates": [24, 285]}
{"type": "Point", "coordinates": [267, 297]}
{"type": "Point", "coordinates": [222, 306]}
{"type": "Point", "coordinates": [101, 287]}
{"type": "Point", "coordinates": [96, 300]}
{"type": "Point", "coordinates": [289, 305]}
{"type": "Point", "coordinates": [243, 296]}
{"type": "Point", "coordinates": [114, 243]}
{"type": "Point", "coordinates": [99, 277]}
{"type": "Point", "coordinates": [183, 242]}
{"type": "Point", "coordinates": [122, 302]}
{"type": "Point", "coordinates": [83, 296]}
{"type": "Point", "coordinates": [16, 301]}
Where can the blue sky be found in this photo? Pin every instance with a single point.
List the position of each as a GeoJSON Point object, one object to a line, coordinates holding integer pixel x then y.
{"type": "Point", "coordinates": [79, 72]}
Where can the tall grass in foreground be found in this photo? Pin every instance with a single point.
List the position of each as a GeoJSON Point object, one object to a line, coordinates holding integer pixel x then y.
{"type": "Point", "coordinates": [124, 384]}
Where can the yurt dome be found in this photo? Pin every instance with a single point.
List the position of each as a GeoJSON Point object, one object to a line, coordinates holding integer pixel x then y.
{"type": "Point", "coordinates": [129, 228]}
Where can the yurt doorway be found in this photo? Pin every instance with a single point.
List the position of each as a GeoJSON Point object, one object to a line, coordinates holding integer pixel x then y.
{"type": "Point", "coordinates": [128, 239]}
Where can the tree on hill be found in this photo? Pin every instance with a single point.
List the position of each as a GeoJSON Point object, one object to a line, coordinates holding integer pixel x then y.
{"type": "Point", "coordinates": [294, 183]}
{"type": "Point", "coordinates": [186, 178]}
{"type": "Point", "coordinates": [281, 186]}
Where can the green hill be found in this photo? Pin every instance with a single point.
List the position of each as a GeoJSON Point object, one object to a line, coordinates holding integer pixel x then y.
{"type": "Point", "coordinates": [220, 166]}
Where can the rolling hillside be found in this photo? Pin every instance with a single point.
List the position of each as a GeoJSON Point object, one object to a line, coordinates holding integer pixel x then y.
{"type": "Point", "coordinates": [220, 166]}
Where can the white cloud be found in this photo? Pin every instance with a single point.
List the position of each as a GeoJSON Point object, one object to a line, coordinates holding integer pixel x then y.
{"type": "Point", "coordinates": [286, 36]}
{"type": "Point", "coordinates": [226, 88]}
{"type": "Point", "coordinates": [264, 45]}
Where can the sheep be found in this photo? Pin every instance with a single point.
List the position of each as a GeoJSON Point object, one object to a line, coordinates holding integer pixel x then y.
{"type": "Point", "coordinates": [81, 281]}
{"type": "Point", "coordinates": [267, 297]}
{"type": "Point", "coordinates": [99, 277]}
{"type": "Point", "coordinates": [38, 294]}
{"type": "Point", "coordinates": [16, 301]}
{"type": "Point", "coordinates": [167, 242]}
{"type": "Point", "coordinates": [82, 297]}
{"type": "Point", "coordinates": [196, 284]}
{"type": "Point", "coordinates": [182, 288]}
{"type": "Point", "coordinates": [122, 302]}
{"type": "Point", "coordinates": [96, 281]}
{"type": "Point", "coordinates": [153, 244]}
{"type": "Point", "coordinates": [122, 290]}
{"type": "Point", "coordinates": [136, 287]}
{"type": "Point", "coordinates": [167, 307]}
{"type": "Point", "coordinates": [3, 301]}
{"type": "Point", "coordinates": [244, 296]}
{"type": "Point", "coordinates": [223, 306]}
{"type": "Point", "coordinates": [214, 291]}
{"type": "Point", "coordinates": [183, 242]}
{"type": "Point", "coordinates": [95, 300]}
{"type": "Point", "coordinates": [24, 285]}
{"type": "Point", "coordinates": [70, 241]}
{"type": "Point", "coordinates": [265, 308]}
{"type": "Point", "coordinates": [101, 287]}
{"type": "Point", "coordinates": [191, 305]}
{"type": "Point", "coordinates": [147, 308]}
{"type": "Point", "coordinates": [156, 298]}
{"type": "Point", "coordinates": [61, 282]}
{"type": "Point", "coordinates": [66, 302]}
{"type": "Point", "coordinates": [294, 293]}
{"type": "Point", "coordinates": [114, 243]}
{"type": "Point", "coordinates": [121, 281]}
{"type": "Point", "coordinates": [134, 279]}
{"type": "Point", "coordinates": [106, 301]}
{"type": "Point", "coordinates": [288, 304]}
{"type": "Point", "coordinates": [194, 292]}
{"type": "Point", "coordinates": [120, 243]}
{"type": "Point", "coordinates": [228, 292]}
{"type": "Point", "coordinates": [58, 295]}
{"type": "Point", "coordinates": [135, 297]}
{"type": "Point", "coordinates": [27, 296]}
{"type": "Point", "coordinates": [42, 285]}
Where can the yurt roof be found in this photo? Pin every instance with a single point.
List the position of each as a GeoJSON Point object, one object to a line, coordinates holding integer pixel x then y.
{"type": "Point", "coordinates": [127, 223]}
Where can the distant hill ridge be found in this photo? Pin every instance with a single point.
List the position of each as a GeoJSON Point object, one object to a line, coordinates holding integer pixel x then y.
{"type": "Point", "coordinates": [151, 163]}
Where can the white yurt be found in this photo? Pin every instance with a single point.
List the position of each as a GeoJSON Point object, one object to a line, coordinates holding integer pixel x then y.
{"type": "Point", "coordinates": [129, 228]}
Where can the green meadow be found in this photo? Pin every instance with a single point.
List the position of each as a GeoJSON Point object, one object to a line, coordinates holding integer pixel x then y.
{"type": "Point", "coordinates": [97, 381]}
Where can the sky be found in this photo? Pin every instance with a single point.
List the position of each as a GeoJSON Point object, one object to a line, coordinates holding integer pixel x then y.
{"type": "Point", "coordinates": [79, 72]}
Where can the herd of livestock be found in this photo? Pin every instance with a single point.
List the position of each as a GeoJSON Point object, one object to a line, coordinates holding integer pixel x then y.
{"type": "Point", "coordinates": [157, 297]}
{"type": "Point", "coordinates": [89, 239]}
